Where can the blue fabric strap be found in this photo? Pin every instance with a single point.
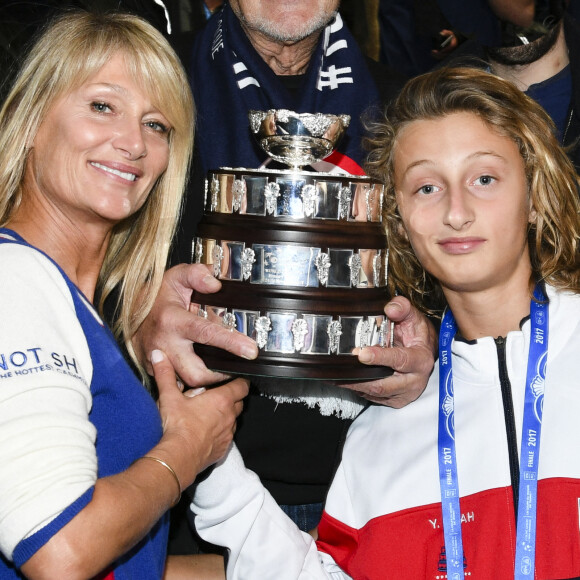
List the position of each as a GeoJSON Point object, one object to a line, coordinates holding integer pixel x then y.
{"type": "Point", "coordinates": [448, 479]}
{"type": "Point", "coordinates": [529, 449]}
{"type": "Point", "coordinates": [531, 432]}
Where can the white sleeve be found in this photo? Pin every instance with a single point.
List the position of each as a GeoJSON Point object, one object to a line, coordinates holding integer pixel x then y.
{"type": "Point", "coordinates": [233, 509]}
{"type": "Point", "coordinates": [47, 443]}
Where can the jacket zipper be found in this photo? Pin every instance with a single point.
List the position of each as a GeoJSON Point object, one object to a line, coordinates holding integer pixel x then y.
{"type": "Point", "coordinates": [510, 423]}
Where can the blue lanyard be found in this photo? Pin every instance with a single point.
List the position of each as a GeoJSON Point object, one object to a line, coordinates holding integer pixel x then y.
{"type": "Point", "coordinates": [447, 458]}
{"type": "Point", "coordinates": [529, 451]}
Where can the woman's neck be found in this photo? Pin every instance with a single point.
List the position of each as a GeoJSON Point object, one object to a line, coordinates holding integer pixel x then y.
{"type": "Point", "coordinates": [80, 252]}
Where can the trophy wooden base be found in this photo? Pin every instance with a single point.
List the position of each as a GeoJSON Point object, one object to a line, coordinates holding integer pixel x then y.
{"type": "Point", "coordinates": [337, 368]}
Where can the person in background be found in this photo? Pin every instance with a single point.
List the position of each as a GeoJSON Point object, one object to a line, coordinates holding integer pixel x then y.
{"type": "Point", "coordinates": [544, 61]}
{"type": "Point", "coordinates": [269, 55]}
{"type": "Point", "coordinates": [481, 471]}
{"type": "Point", "coordinates": [416, 35]}
{"type": "Point", "coordinates": [482, 19]}
{"type": "Point", "coordinates": [300, 56]}
{"type": "Point", "coordinates": [95, 139]}
{"type": "Point", "coordinates": [413, 35]}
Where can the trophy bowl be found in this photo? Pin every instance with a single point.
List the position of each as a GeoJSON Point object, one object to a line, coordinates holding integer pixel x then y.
{"type": "Point", "coordinates": [297, 139]}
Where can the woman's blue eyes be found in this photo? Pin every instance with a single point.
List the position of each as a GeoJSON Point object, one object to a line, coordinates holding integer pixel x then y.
{"type": "Point", "coordinates": [156, 126]}
{"type": "Point", "coordinates": [100, 107]}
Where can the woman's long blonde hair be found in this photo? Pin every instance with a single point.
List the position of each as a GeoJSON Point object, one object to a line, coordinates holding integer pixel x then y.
{"type": "Point", "coordinates": [71, 50]}
{"type": "Point", "coordinates": [553, 238]}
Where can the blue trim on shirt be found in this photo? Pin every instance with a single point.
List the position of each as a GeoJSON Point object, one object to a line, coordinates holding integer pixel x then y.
{"type": "Point", "coordinates": [29, 546]}
{"type": "Point", "coordinates": [128, 425]}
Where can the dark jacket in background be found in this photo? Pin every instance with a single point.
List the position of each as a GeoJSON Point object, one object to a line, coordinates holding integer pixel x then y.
{"type": "Point", "coordinates": [471, 53]}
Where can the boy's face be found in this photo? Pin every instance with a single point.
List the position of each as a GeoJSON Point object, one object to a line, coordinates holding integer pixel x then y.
{"type": "Point", "coordinates": [463, 198]}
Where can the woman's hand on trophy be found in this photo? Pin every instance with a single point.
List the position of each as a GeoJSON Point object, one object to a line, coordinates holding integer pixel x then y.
{"type": "Point", "coordinates": [411, 357]}
{"type": "Point", "coordinates": [173, 325]}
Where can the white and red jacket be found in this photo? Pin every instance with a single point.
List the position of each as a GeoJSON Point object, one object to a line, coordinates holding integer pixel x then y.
{"type": "Point", "coordinates": [382, 516]}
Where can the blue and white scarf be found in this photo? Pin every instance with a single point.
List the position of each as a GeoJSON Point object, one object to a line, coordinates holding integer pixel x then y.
{"type": "Point", "coordinates": [229, 78]}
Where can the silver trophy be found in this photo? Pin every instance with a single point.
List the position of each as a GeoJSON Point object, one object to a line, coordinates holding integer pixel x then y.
{"type": "Point", "coordinates": [301, 256]}
{"type": "Point", "coordinates": [297, 139]}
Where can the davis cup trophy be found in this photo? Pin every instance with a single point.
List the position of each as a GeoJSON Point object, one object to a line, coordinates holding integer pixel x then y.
{"type": "Point", "coordinates": [301, 256]}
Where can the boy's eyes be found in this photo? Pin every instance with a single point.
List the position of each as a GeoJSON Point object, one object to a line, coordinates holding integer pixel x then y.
{"type": "Point", "coordinates": [427, 189]}
{"type": "Point", "coordinates": [484, 180]}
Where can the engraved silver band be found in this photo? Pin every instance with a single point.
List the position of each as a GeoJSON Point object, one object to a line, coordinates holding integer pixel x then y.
{"type": "Point", "coordinates": [292, 265]}
{"type": "Point", "coordinates": [307, 334]}
{"type": "Point", "coordinates": [320, 196]}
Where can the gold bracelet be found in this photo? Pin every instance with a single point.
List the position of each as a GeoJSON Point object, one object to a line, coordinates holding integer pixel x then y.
{"type": "Point", "coordinates": [170, 469]}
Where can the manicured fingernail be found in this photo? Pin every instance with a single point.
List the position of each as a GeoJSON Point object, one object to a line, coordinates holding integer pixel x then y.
{"type": "Point", "coordinates": [209, 280]}
{"type": "Point", "coordinates": [156, 356]}
{"type": "Point", "coordinates": [194, 392]}
{"type": "Point", "coordinates": [392, 305]}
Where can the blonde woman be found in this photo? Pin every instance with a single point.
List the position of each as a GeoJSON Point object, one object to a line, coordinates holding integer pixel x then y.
{"type": "Point", "coordinates": [95, 139]}
{"type": "Point", "coordinates": [480, 476]}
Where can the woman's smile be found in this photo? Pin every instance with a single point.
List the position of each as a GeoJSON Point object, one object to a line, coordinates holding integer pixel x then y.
{"type": "Point", "coordinates": [126, 173]}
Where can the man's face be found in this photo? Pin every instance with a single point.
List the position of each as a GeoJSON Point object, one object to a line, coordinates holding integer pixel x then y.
{"type": "Point", "coordinates": [525, 53]}
{"type": "Point", "coordinates": [285, 20]}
